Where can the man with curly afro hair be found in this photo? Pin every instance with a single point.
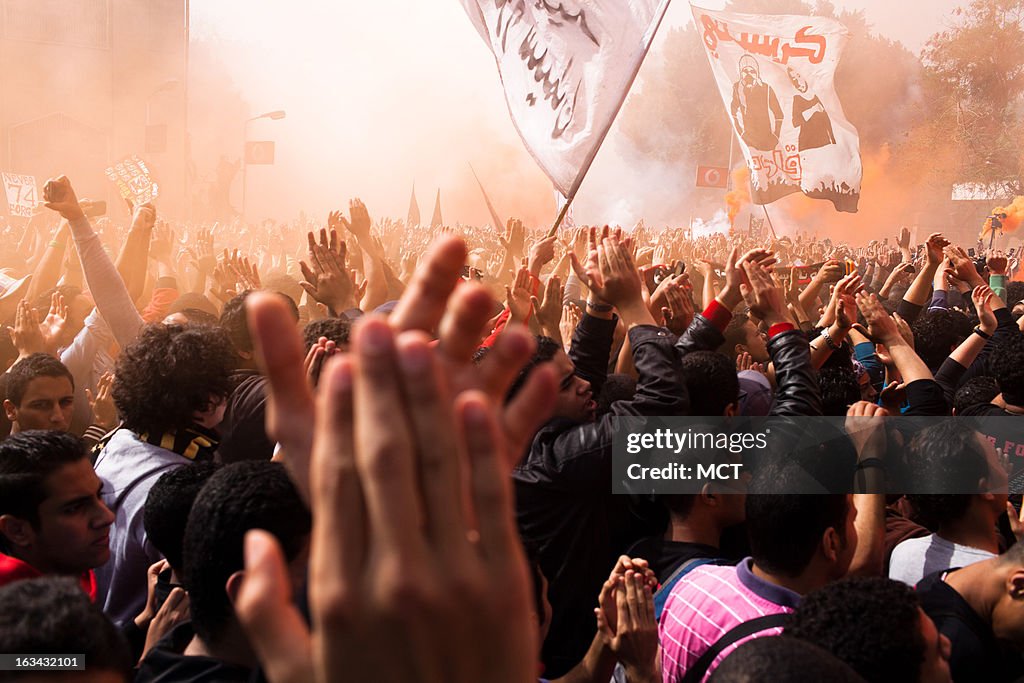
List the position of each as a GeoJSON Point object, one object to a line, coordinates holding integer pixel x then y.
{"type": "Point", "coordinates": [170, 388]}
{"type": "Point", "coordinates": [876, 626]}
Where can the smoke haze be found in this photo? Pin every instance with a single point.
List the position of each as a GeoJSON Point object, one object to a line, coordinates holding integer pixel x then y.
{"type": "Point", "coordinates": [380, 95]}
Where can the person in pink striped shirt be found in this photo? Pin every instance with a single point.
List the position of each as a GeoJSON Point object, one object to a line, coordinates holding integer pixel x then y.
{"type": "Point", "coordinates": [798, 543]}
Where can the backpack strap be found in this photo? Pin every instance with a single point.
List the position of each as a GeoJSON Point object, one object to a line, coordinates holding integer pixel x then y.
{"type": "Point", "coordinates": [748, 628]}
{"type": "Point", "coordinates": [661, 595]}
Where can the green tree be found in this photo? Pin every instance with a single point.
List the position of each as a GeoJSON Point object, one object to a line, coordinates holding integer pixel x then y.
{"type": "Point", "coordinates": [973, 86]}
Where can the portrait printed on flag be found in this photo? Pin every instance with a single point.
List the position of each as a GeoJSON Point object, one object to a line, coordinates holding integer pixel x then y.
{"type": "Point", "coordinates": [775, 75]}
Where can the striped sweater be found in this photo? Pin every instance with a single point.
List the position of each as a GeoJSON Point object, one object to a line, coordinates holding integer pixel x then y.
{"type": "Point", "coordinates": [707, 603]}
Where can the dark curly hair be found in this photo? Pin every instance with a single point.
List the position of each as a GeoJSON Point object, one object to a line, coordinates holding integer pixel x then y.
{"type": "Point", "coordinates": [937, 332]}
{"type": "Point", "coordinates": [711, 382]}
{"type": "Point", "coordinates": [871, 623]}
{"type": "Point", "coordinates": [939, 458]}
{"type": "Point", "coordinates": [336, 330]}
{"type": "Point", "coordinates": [53, 614]}
{"type": "Point", "coordinates": [169, 373]}
{"type": "Point", "coordinates": [238, 497]}
{"type": "Point", "coordinates": [980, 389]}
{"type": "Point", "coordinates": [234, 323]}
{"type": "Point", "coordinates": [168, 504]}
{"type": "Point", "coordinates": [839, 390]}
{"type": "Point", "coordinates": [546, 350]}
{"type": "Point", "coordinates": [1014, 293]}
{"type": "Point", "coordinates": [1006, 364]}
{"type": "Point", "coordinates": [782, 659]}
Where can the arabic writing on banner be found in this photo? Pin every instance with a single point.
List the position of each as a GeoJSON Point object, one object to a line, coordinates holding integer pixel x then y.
{"type": "Point", "coordinates": [134, 181]}
{"type": "Point", "coordinates": [775, 74]}
{"type": "Point", "coordinates": [566, 66]}
{"type": "Point", "coordinates": [21, 194]}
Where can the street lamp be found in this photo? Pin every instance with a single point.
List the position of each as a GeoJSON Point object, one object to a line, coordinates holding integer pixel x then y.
{"type": "Point", "coordinates": [275, 115]}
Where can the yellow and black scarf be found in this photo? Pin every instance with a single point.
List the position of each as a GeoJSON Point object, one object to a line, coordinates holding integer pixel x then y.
{"type": "Point", "coordinates": [195, 442]}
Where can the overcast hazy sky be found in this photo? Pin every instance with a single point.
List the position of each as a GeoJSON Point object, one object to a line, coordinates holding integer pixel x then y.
{"type": "Point", "coordinates": [383, 93]}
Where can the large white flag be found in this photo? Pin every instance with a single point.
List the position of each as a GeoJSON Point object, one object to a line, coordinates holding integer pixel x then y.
{"type": "Point", "coordinates": [775, 75]}
{"type": "Point", "coordinates": [566, 66]}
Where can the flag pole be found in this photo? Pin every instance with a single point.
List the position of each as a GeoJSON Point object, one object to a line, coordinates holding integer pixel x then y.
{"type": "Point", "coordinates": [585, 168]}
{"type": "Point", "coordinates": [561, 215]}
{"type": "Point", "coordinates": [490, 207]}
{"type": "Point", "coordinates": [772, 227]}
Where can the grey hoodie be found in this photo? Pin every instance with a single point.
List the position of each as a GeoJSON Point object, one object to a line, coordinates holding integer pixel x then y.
{"type": "Point", "coordinates": [128, 468]}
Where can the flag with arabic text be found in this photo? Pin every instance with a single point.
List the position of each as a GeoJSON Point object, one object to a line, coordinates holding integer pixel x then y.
{"type": "Point", "coordinates": [566, 66]}
{"type": "Point", "coordinates": [775, 74]}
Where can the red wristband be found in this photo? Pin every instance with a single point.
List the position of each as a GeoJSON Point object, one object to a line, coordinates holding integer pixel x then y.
{"type": "Point", "coordinates": [718, 315]}
{"type": "Point", "coordinates": [779, 328]}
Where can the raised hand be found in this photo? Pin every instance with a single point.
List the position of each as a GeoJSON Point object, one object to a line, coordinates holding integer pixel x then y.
{"type": "Point", "coordinates": [865, 425]}
{"type": "Point", "coordinates": [997, 263]}
{"type": "Point", "coordinates": [104, 412]}
{"type": "Point", "coordinates": [549, 310]}
{"type": "Point", "coordinates": [247, 273]}
{"type": "Point", "coordinates": [571, 316]}
{"type": "Point", "coordinates": [327, 280]}
{"type": "Point", "coordinates": [59, 196]}
{"type": "Point", "coordinates": [903, 239]}
{"type": "Point", "coordinates": [413, 527]}
{"type": "Point", "coordinates": [963, 265]}
{"type": "Point", "coordinates": [893, 396]}
{"type": "Point", "coordinates": [514, 240]}
{"type": "Point", "coordinates": [934, 247]}
{"type": "Point", "coordinates": [26, 335]}
{"type": "Point", "coordinates": [629, 628]}
{"type": "Point", "coordinates": [679, 311]}
{"type": "Point", "coordinates": [589, 263]}
{"type": "Point", "coordinates": [225, 280]}
{"type": "Point", "coordinates": [144, 216]}
{"type": "Point", "coordinates": [162, 243]}
{"type": "Point", "coordinates": [359, 223]}
{"type": "Point", "coordinates": [518, 297]}
{"type": "Point", "coordinates": [659, 294]}
{"type": "Point", "coordinates": [541, 253]}
{"type": "Point", "coordinates": [881, 327]}
{"type": "Point", "coordinates": [744, 361]}
{"type": "Point", "coordinates": [902, 273]}
{"type": "Point", "coordinates": [201, 251]}
{"type": "Point", "coordinates": [982, 297]}
{"type": "Point", "coordinates": [315, 358]}
{"type": "Point", "coordinates": [616, 280]}
{"type": "Point", "coordinates": [830, 271]}
{"type": "Point", "coordinates": [904, 329]}
{"type": "Point", "coordinates": [54, 323]}
{"type": "Point", "coordinates": [736, 276]}
{"type": "Point", "coordinates": [767, 300]}
{"type": "Point", "coordinates": [430, 303]}
{"type": "Point", "coordinates": [336, 221]}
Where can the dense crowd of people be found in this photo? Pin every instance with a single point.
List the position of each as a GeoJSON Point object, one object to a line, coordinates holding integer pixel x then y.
{"type": "Point", "coordinates": [364, 450]}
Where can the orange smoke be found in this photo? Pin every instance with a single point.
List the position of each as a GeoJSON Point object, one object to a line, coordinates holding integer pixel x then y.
{"type": "Point", "coordinates": [1014, 216]}
{"type": "Point", "coordinates": [739, 194]}
{"type": "Point", "coordinates": [889, 199]}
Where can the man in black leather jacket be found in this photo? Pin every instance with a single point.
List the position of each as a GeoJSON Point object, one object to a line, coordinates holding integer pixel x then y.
{"type": "Point", "coordinates": [566, 512]}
